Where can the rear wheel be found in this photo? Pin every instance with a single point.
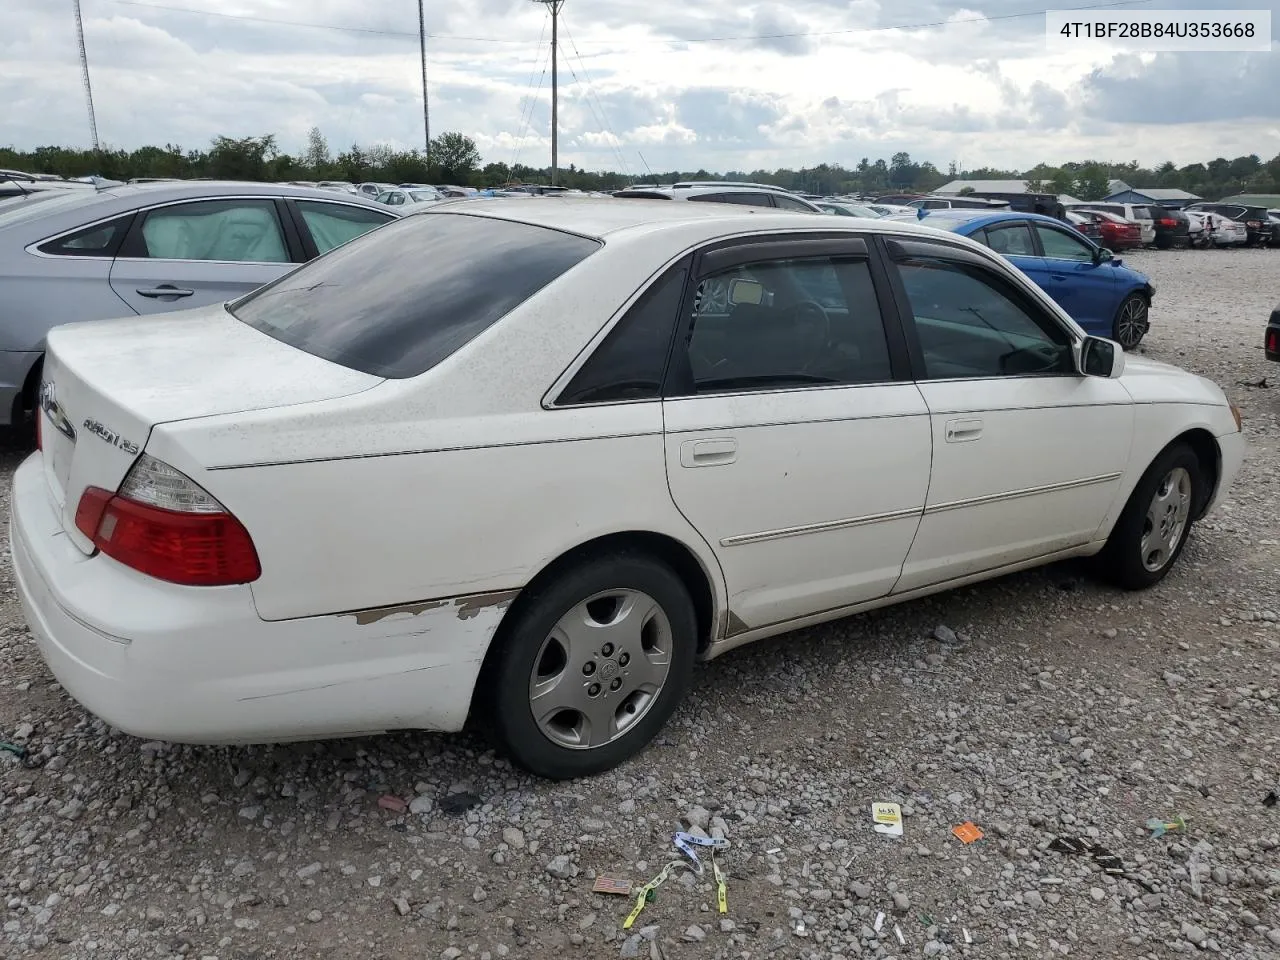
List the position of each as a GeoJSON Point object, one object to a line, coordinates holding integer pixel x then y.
{"type": "Point", "coordinates": [1151, 532]}
{"type": "Point", "coordinates": [1131, 323]}
{"type": "Point", "coordinates": [590, 666]}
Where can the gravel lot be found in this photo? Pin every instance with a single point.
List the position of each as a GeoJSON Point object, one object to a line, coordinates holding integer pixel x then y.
{"type": "Point", "coordinates": [1056, 707]}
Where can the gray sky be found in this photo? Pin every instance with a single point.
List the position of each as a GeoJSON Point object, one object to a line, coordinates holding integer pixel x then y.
{"type": "Point", "coordinates": [811, 81]}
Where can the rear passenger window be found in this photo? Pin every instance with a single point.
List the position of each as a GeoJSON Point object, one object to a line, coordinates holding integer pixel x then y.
{"type": "Point", "coordinates": [786, 323]}
{"type": "Point", "coordinates": [231, 231]}
{"type": "Point", "coordinates": [790, 203]}
{"type": "Point", "coordinates": [629, 364]}
{"type": "Point", "coordinates": [100, 240]}
{"type": "Point", "coordinates": [1012, 239]}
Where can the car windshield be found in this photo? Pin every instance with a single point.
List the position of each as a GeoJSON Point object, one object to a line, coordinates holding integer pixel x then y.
{"type": "Point", "coordinates": [369, 304]}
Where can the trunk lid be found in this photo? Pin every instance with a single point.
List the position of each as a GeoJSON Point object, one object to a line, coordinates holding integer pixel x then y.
{"type": "Point", "coordinates": [107, 383]}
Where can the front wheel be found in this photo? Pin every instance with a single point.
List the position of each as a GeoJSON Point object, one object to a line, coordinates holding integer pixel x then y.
{"type": "Point", "coordinates": [1132, 321]}
{"type": "Point", "coordinates": [591, 665]}
{"type": "Point", "coordinates": [1151, 532]}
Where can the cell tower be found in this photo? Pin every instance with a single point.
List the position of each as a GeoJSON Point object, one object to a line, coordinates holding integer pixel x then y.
{"type": "Point", "coordinates": [84, 68]}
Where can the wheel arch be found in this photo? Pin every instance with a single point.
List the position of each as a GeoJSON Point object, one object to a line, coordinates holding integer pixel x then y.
{"type": "Point", "coordinates": [1206, 449]}
{"type": "Point", "coordinates": [683, 560]}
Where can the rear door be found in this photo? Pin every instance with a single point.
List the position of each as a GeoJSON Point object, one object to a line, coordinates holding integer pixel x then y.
{"type": "Point", "coordinates": [796, 444]}
{"type": "Point", "coordinates": [1085, 288]}
{"type": "Point", "coordinates": [200, 252]}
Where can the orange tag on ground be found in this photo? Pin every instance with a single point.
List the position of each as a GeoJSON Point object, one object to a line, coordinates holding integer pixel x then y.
{"type": "Point", "coordinates": [967, 832]}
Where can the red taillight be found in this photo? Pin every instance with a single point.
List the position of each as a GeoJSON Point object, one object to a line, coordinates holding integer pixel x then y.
{"type": "Point", "coordinates": [1273, 341]}
{"type": "Point", "coordinates": [199, 549]}
{"type": "Point", "coordinates": [1168, 222]}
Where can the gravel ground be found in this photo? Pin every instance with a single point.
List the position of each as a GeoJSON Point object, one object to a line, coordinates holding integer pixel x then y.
{"type": "Point", "coordinates": [1036, 706]}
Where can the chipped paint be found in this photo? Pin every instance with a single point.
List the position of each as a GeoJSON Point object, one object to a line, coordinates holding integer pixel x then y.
{"type": "Point", "coordinates": [735, 625]}
{"type": "Point", "coordinates": [469, 607]}
{"type": "Point", "coordinates": [365, 617]}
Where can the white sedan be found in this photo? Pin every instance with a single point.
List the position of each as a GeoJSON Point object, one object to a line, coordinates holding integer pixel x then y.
{"type": "Point", "coordinates": [534, 484]}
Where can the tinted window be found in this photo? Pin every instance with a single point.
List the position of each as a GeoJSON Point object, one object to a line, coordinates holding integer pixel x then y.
{"type": "Point", "coordinates": [746, 199]}
{"type": "Point", "coordinates": [410, 294]}
{"type": "Point", "coordinates": [100, 240]}
{"type": "Point", "coordinates": [1060, 245]}
{"type": "Point", "coordinates": [1013, 239]}
{"type": "Point", "coordinates": [629, 364]}
{"type": "Point", "coordinates": [1142, 213]}
{"type": "Point", "coordinates": [333, 224]}
{"type": "Point", "coordinates": [791, 203]}
{"type": "Point", "coordinates": [225, 230]}
{"type": "Point", "coordinates": [784, 323]}
{"type": "Point", "coordinates": [972, 323]}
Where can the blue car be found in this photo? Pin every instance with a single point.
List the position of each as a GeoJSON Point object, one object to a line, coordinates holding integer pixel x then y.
{"type": "Point", "coordinates": [1105, 297]}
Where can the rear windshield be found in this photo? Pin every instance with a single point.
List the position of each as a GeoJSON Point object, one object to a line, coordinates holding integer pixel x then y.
{"type": "Point", "coordinates": [402, 298]}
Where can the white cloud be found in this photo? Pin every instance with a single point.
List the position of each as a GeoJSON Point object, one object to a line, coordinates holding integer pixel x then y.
{"type": "Point", "coordinates": [983, 90]}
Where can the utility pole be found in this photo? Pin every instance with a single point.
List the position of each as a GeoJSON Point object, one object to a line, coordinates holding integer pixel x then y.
{"type": "Point", "coordinates": [84, 67]}
{"type": "Point", "coordinates": [426, 110]}
{"type": "Point", "coordinates": [554, 6]}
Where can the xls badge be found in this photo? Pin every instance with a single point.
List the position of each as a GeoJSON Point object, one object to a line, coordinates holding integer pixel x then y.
{"type": "Point", "coordinates": [48, 401]}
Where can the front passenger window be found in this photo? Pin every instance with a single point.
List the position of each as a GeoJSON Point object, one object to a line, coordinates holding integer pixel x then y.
{"type": "Point", "coordinates": [1060, 245]}
{"type": "Point", "coordinates": [972, 323]}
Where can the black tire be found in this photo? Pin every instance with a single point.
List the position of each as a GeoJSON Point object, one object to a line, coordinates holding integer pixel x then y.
{"type": "Point", "coordinates": [1127, 330]}
{"type": "Point", "coordinates": [504, 694]}
{"type": "Point", "coordinates": [1121, 561]}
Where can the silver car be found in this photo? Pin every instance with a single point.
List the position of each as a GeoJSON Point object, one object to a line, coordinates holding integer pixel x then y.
{"type": "Point", "coordinates": [94, 254]}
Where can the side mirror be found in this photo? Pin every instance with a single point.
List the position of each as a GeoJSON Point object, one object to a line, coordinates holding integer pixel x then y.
{"type": "Point", "coordinates": [1101, 358]}
{"type": "Point", "coordinates": [1102, 255]}
{"type": "Point", "coordinates": [750, 292]}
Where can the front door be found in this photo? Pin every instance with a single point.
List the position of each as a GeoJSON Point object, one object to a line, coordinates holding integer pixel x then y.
{"type": "Point", "coordinates": [796, 443]}
{"type": "Point", "coordinates": [194, 254]}
{"type": "Point", "coordinates": [1027, 454]}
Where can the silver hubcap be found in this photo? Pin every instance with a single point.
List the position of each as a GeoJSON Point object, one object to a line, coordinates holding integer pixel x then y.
{"type": "Point", "coordinates": [1133, 322]}
{"type": "Point", "coordinates": [601, 669]}
{"type": "Point", "coordinates": [1166, 519]}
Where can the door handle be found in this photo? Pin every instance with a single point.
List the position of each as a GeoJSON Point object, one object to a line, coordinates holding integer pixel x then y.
{"type": "Point", "coordinates": [963, 431]}
{"type": "Point", "coordinates": [708, 453]}
{"type": "Point", "coordinates": [166, 291]}
{"type": "Point", "coordinates": [1058, 276]}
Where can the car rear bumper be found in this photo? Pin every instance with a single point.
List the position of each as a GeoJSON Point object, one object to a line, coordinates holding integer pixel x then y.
{"type": "Point", "coordinates": [198, 665]}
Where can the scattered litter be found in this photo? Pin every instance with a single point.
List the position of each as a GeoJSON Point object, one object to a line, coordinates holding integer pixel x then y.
{"type": "Point", "coordinates": [611, 885]}
{"type": "Point", "coordinates": [1160, 827]}
{"type": "Point", "coordinates": [968, 938]}
{"type": "Point", "coordinates": [774, 850]}
{"type": "Point", "coordinates": [879, 922]}
{"type": "Point", "coordinates": [456, 803]}
{"type": "Point", "coordinates": [897, 932]}
{"type": "Point", "coordinates": [1079, 846]}
{"type": "Point", "coordinates": [799, 929]}
{"type": "Point", "coordinates": [968, 832]}
{"type": "Point", "coordinates": [887, 818]}
{"type": "Point", "coordinates": [1270, 800]}
{"type": "Point", "coordinates": [647, 894]}
{"type": "Point", "coordinates": [395, 804]}
{"type": "Point", "coordinates": [926, 919]}
{"type": "Point", "coordinates": [687, 841]}
{"type": "Point", "coordinates": [29, 760]}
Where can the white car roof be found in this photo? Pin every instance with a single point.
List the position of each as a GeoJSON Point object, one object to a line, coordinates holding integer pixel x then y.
{"type": "Point", "coordinates": [600, 217]}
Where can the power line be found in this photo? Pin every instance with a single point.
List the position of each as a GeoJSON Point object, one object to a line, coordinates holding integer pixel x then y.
{"type": "Point", "coordinates": [671, 41]}
{"type": "Point", "coordinates": [528, 119]}
{"type": "Point", "coordinates": [591, 92]}
{"type": "Point", "coordinates": [528, 102]}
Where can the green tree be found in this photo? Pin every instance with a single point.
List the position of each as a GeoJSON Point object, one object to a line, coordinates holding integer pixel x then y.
{"type": "Point", "coordinates": [245, 158]}
{"type": "Point", "coordinates": [455, 155]}
{"type": "Point", "coordinates": [316, 156]}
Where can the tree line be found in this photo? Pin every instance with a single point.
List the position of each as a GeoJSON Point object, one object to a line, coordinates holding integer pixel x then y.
{"type": "Point", "coordinates": [454, 158]}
